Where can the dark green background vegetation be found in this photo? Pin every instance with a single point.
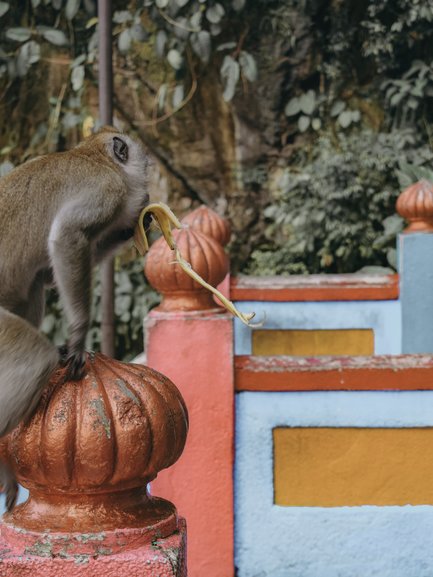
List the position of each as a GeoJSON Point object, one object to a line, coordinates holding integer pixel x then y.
{"type": "Point", "coordinates": [300, 120]}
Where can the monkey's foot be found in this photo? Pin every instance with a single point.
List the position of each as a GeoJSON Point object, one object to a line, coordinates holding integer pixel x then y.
{"type": "Point", "coordinates": [63, 352]}
{"type": "Point", "coordinates": [75, 363]}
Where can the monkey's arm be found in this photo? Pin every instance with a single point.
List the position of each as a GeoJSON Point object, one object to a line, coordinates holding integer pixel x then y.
{"type": "Point", "coordinates": [109, 243]}
{"type": "Point", "coordinates": [70, 246]}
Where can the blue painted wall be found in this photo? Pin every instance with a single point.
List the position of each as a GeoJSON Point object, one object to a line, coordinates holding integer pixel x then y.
{"type": "Point", "coordinates": [274, 541]}
{"type": "Point", "coordinates": [384, 317]}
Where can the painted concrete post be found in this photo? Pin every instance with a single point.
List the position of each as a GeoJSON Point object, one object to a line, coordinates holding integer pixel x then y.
{"type": "Point", "coordinates": [415, 256]}
{"type": "Point", "coordinates": [188, 336]}
{"type": "Point", "coordinates": [86, 457]}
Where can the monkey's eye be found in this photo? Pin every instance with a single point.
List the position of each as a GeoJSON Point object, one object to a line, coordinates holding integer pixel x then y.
{"type": "Point", "coordinates": [120, 149]}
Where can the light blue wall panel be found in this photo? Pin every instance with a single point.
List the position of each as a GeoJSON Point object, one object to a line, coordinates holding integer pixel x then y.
{"type": "Point", "coordinates": [274, 541]}
{"type": "Point", "coordinates": [384, 317]}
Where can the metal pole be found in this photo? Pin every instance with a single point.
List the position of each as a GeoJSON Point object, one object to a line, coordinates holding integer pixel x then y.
{"type": "Point", "coordinates": [105, 78]}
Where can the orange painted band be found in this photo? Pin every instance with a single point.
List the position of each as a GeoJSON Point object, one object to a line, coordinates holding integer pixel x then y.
{"type": "Point", "coordinates": [344, 287]}
{"type": "Point", "coordinates": [370, 373]}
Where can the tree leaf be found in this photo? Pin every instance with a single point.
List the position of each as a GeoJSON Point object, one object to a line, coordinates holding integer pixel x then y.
{"type": "Point", "coordinates": [124, 41]}
{"type": "Point", "coordinates": [28, 54]}
{"type": "Point", "coordinates": [182, 3]}
{"type": "Point", "coordinates": [215, 29]}
{"type": "Point", "coordinates": [230, 72]}
{"type": "Point", "coordinates": [178, 95]}
{"type": "Point", "coordinates": [56, 37]}
{"type": "Point", "coordinates": [35, 3]}
{"type": "Point", "coordinates": [77, 77]}
{"type": "Point", "coordinates": [248, 66]}
{"type": "Point", "coordinates": [345, 118]}
{"type": "Point", "coordinates": [4, 7]}
{"type": "Point", "coordinates": [237, 5]}
{"type": "Point", "coordinates": [138, 32]}
{"type": "Point", "coordinates": [316, 124]}
{"type": "Point", "coordinates": [122, 16]}
{"type": "Point", "coordinates": [160, 42]}
{"type": "Point", "coordinates": [161, 3]}
{"type": "Point", "coordinates": [201, 44]}
{"type": "Point", "coordinates": [337, 108]}
{"type": "Point", "coordinates": [226, 46]}
{"type": "Point", "coordinates": [72, 7]}
{"type": "Point", "coordinates": [57, 4]}
{"type": "Point", "coordinates": [195, 19]}
{"type": "Point", "coordinates": [303, 123]}
{"type": "Point", "coordinates": [18, 34]}
{"type": "Point", "coordinates": [307, 102]}
{"type": "Point", "coordinates": [293, 107]}
{"type": "Point", "coordinates": [162, 93]}
{"type": "Point", "coordinates": [215, 13]}
{"type": "Point", "coordinates": [175, 59]}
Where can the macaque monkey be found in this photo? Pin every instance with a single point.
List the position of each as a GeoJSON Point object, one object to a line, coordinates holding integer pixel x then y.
{"type": "Point", "coordinates": [59, 215]}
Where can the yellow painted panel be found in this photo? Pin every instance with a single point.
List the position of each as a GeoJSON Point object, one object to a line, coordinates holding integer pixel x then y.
{"type": "Point", "coordinates": [313, 342]}
{"type": "Point", "coordinates": [334, 467]}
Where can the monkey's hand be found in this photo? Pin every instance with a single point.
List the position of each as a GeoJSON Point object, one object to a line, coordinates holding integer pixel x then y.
{"type": "Point", "coordinates": [9, 486]}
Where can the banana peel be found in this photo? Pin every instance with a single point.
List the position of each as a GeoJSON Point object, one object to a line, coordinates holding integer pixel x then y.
{"type": "Point", "coordinates": [166, 220]}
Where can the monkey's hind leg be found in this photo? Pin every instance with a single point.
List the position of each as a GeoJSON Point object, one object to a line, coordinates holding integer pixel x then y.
{"type": "Point", "coordinates": [27, 360]}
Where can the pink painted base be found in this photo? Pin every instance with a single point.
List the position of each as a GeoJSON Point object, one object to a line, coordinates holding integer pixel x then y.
{"type": "Point", "coordinates": [161, 558]}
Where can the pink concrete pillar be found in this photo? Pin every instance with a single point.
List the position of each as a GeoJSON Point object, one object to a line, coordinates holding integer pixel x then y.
{"type": "Point", "coordinates": [188, 336]}
{"type": "Point", "coordinates": [197, 348]}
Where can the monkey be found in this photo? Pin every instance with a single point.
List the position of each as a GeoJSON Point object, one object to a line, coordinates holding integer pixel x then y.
{"type": "Point", "coordinates": [60, 214]}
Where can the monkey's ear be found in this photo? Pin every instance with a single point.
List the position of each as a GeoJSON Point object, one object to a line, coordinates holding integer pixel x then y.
{"type": "Point", "coordinates": [120, 149]}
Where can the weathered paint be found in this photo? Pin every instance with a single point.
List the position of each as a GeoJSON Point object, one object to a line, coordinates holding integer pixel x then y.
{"type": "Point", "coordinates": [342, 287]}
{"type": "Point", "coordinates": [383, 317]}
{"type": "Point", "coordinates": [162, 558]}
{"type": "Point", "coordinates": [274, 541]}
{"type": "Point", "coordinates": [196, 350]}
{"type": "Point", "coordinates": [416, 282]}
{"type": "Point", "coordinates": [379, 372]}
{"type": "Point", "coordinates": [313, 342]}
{"type": "Point", "coordinates": [348, 466]}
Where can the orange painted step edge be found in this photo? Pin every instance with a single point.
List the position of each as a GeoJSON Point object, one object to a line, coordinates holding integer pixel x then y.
{"type": "Point", "coordinates": [371, 373]}
{"type": "Point", "coordinates": [344, 287]}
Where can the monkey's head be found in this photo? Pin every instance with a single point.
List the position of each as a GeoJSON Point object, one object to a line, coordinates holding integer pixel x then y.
{"type": "Point", "coordinates": [127, 154]}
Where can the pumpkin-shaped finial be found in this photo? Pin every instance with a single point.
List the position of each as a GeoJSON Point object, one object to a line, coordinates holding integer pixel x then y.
{"type": "Point", "coordinates": [415, 204]}
{"type": "Point", "coordinates": [207, 221]}
{"type": "Point", "coordinates": [180, 292]}
{"type": "Point", "coordinates": [92, 446]}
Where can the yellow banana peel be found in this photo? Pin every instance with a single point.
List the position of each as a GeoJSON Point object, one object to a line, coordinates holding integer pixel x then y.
{"type": "Point", "coordinates": [166, 219]}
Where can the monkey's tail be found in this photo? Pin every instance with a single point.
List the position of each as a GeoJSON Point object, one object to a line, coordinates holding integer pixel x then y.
{"type": "Point", "coordinates": [27, 360]}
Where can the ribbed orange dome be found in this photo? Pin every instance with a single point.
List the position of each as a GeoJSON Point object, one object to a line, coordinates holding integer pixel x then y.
{"type": "Point", "coordinates": [415, 204]}
{"type": "Point", "coordinates": [207, 221]}
{"type": "Point", "coordinates": [180, 292]}
{"type": "Point", "coordinates": [93, 445]}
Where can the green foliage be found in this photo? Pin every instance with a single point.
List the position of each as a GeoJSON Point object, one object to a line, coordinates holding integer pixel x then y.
{"type": "Point", "coordinates": [337, 212]}
{"type": "Point", "coordinates": [133, 299]}
{"type": "Point", "coordinates": [358, 132]}
{"type": "Point", "coordinates": [181, 28]}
